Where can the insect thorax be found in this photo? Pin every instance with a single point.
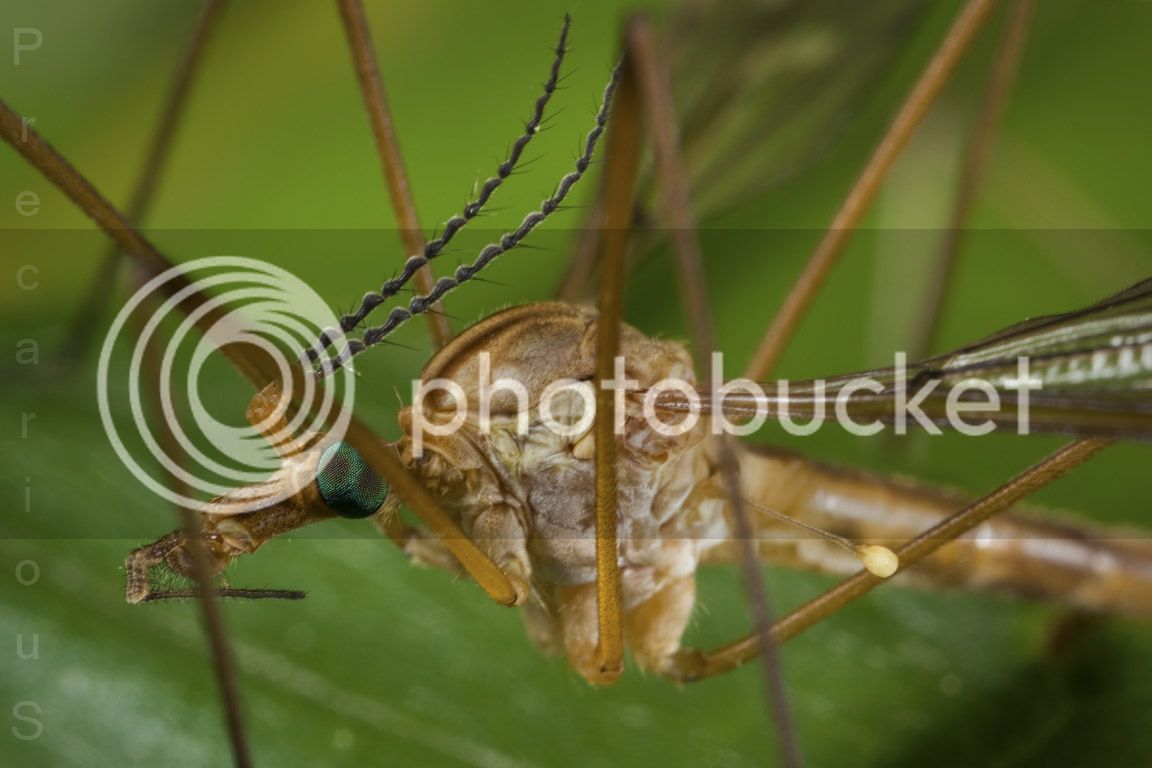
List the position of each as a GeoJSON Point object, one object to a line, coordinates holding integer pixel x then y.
{"type": "Point", "coordinates": [528, 495]}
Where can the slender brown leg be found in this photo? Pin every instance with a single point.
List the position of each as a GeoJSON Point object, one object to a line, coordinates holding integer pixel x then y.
{"type": "Point", "coordinates": [137, 210]}
{"type": "Point", "coordinates": [388, 147]}
{"type": "Point", "coordinates": [224, 662]}
{"type": "Point", "coordinates": [619, 193]}
{"type": "Point", "coordinates": [675, 200]}
{"type": "Point", "coordinates": [86, 320]}
{"type": "Point", "coordinates": [147, 182]}
{"type": "Point", "coordinates": [383, 459]}
{"type": "Point", "coordinates": [694, 665]}
{"type": "Point", "coordinates": [249, 360]}
{"type": "Point", "coordinates": [149, 261]}
{"type": "Point", "coordinates": [76, 187]}
{"type": "Point", "coordinates": [255, 364]}
{"type": "Point", "coordinates": [867, 184]}
{"type": "Point", "coordinates": [261, 370]}
{"type": "Point", "coordinates": [976, 157]}
{"type": "Point", "coordinates": [656, 93]}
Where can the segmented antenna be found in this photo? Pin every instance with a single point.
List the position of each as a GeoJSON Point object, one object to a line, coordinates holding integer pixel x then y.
{"type": "Point", "coordinates": [445, 285]}
{"type": "Point", "coordinates": [227, 593]}
{"type": "Point", "coordinates": [433, 248]}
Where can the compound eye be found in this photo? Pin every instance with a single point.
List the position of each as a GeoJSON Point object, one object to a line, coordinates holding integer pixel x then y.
{"type": "Point", "coordinates": [347, 484]}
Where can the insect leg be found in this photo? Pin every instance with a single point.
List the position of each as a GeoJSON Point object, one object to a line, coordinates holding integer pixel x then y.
{"type": "Point", "coordinates": [248, 359]}
{"type": "Point", "coordinates": [149, 261]}
{"type": "Point", "coordinates": [383, 459]}
{"type": "Point", "coordinates": [259, 368]}
{"type": "Point", "coordinates": [827, 253]}
{"type": "Point", "coordinates": [141, 200]}
{"type": "Point", "coordinates": [976, 156]}
{"type": "Point", "coordinates": [418, 263]}
{"type": "Point", "coordinates": [691, 664]}
{"type": "Point", "coordinates": [655, 91]}
{"type": "Point", "coordinates": [618, 194]}
{"type": "Point", "coordinates": [86, 319]}
{"type": "Point", "coordinates": [388, 147]}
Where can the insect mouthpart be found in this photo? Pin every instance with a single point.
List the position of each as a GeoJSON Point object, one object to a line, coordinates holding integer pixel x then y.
{"type": "Point", "coordinates": [347, 484]}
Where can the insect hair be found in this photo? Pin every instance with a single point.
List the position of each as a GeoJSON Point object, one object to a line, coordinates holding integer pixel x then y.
{"type": "Point", "coordinates": [471, 210]}
{"type": "Point", "coordinates": [509, 240]}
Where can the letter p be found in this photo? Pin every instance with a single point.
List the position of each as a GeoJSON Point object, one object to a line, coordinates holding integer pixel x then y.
{"type": "Point", "coordinates": [420, 390]}
{"type": "Point", "coordinates": [25, 39]}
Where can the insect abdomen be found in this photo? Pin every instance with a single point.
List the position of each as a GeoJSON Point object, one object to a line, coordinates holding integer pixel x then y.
{"type": "Point", "coordinates": [1098, 569]}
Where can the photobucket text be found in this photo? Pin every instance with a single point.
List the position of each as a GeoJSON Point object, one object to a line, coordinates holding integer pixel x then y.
{"type": "Point", "coordinates": [931, 400]}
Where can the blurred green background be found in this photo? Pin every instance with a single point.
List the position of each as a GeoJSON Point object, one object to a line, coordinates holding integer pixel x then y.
{"type": "Point", "coordinates": [386, 663]}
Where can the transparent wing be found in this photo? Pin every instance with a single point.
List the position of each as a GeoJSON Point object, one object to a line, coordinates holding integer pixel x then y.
{"type": "Point", "coordinates": [1087, 372]}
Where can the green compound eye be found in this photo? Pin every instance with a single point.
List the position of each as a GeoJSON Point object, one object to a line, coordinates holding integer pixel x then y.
{"type": "Point", "coordinates": [347, 484]}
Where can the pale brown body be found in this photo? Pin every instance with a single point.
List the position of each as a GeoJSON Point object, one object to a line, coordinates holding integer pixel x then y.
{"type": "Point", "coordinates": [528, 502]}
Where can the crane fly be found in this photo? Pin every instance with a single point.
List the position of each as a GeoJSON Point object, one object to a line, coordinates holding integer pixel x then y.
{"type": "Point", "coordinates": [675, 507]}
